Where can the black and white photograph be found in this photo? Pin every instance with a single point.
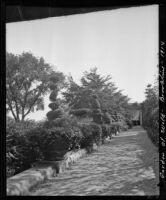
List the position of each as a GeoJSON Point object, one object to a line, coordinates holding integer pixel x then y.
{"type": "Point", "coordinates": [82, 101]}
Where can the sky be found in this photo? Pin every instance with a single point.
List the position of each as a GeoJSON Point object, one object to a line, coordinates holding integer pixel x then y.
{"type": "Point", "coordinates": [121, 42]}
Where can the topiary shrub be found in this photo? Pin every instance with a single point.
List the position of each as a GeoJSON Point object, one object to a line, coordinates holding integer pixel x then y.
{"type": "Point", "coordinates": [75, 138]}
{"type": "Point", "coordinates": [82, 112]}
{"type": "Point", "coordinates": [45, 138]}
{"type": "Point", "coordinates": [61, 131]}
{"type": "Point", "coordinates": [106, 117]}
{"type": "Point", "coordinates": [96, 110]}
{"type": "Point", "coordinates": [96, 132]}
{"type": "Point", "coordinates": [56, 111]}
{"type": "Point", "coordinates": [129, 123]}
{"type": "Point", "coordinates": [95, 102]}
{"type": "Point", "coordinates": [54, 114]}
{"type": "Point", "coordinates": [91, 134]}
{"type": "Point", "coordinates": [115, 127]}
{"type": "Point", "coordinates": [106, 132]}
{"type": "Point", "coordinates": [53, 105]}
{"type": "Point", "coordinates": [54, 94]}
{"type": "Point", "coordinates": [56, 140]}
{"type": "Point", "coordinates": [87, 139]}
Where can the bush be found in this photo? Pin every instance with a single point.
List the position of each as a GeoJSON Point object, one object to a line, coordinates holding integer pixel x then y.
{"type": "Point", "coordinates": [18, 151]}
{"type": "Point", "coordinates": [151, 124]}
{"type": "Point", "coordinates": [75, 138]}
{"type": "Point", "coordinates": [58, 113]}
{"type": "Point", "coordinates": [17, 154]}
{"type": "Point", "coordinates": [43, 139]}
{"type": "Point", "coordinates": [21, 127]}
{"type": "Point", "coordinates": [115, 127]}
{"type": "Point", "coordinates": [96, 131]}
{"type": "Point", "coordinates": [153, 135]}
{"type": "Point", "coordinates": [52, 85]}
{"type": "Point", "coordinates": [123, 125]}
{"type": "Point", "coordinates": [60, 137]}
{"type": "Point", "coordinates": [53, 105]}
{"type": "Point", "coordinates": [129, 123]}
{"type": "Point", "coordinates": [53, 95]}
{"type": "Point", "coordinates": [82, 112]}
{"type": "Point", "coordinates": [106, 132]}
{"type": "Point", "coordinates": [91, 134]}
{"type": "Point", "coordinates": [150, 112]}
{"type": "Point", "coordinates": [70, 127]}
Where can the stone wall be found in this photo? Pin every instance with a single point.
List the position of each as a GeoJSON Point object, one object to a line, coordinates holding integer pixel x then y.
{"type": "Point", "coordinates": [22, 183]}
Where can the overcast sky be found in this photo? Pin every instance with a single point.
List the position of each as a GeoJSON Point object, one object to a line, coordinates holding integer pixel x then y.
{"type": "Point", "coordinates": [121, 42]}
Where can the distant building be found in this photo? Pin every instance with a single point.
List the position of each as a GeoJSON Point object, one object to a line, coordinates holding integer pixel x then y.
{"type": "Point", "coordinates": [137, 117]}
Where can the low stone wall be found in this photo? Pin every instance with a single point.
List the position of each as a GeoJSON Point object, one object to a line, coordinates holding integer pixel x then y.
{"type": "Point", "coordinates": [20, 184]}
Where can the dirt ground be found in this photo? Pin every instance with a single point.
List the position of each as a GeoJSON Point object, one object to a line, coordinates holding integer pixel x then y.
{"type": "Point", "coordinates": [128, 164]}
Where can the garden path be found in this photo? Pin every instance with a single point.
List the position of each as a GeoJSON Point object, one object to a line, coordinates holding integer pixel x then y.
{"type": "Point", "coordinates": [125, 165]}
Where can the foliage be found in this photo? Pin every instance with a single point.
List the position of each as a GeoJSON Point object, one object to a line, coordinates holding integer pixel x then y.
{"type": "Point", "coordinates": [71, 127]}
{"type": "Point", "coordinates": [115, 127]}
{"type": "Point", "coordinates": [53, 114]}
{"type": "Point", "coordinates": [95, 81]}
{"type": "Point", "coordinates": [77, 96]}
{"type": "Point", "coordinates": [150, 108]}
{"type": "Point", "coordinates": [54, 105]}
{"type": "Point", "coordinates": [27, 81]}
{"type": "Point", "coordinates": [129, 123]}
{"type": "Point", "coordinates": [106, 131]}
{"type": "Point", "coordinates": [27, 142]}
{"type": "Point", "coordinates": [82, 112]}
{"type": "Point", "coordinates": [46, 137]}
{"type": "Point", "coordinates": [106, 117]}
{"type": "Point", "coordinates": [61, 130]}
{"type": "Point", "coordinates": [97, 97]}
{"type": "Point", "coordinates": [19, 154]}
{"type": "Point", "coordinates": [91, 134]}
{"type": "Point", "coordinates": [80, 96]}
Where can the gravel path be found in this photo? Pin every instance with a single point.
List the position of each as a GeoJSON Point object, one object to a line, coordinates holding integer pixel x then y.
{"type": "Point", "coordinates": [126, 165]}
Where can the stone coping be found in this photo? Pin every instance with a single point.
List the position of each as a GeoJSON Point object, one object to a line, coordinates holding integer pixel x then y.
{"type": "Point", "coordinates": [20, 184]}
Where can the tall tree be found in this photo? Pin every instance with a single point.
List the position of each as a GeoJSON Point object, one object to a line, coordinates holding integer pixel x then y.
{"type": "Point", "coordinates": [79, 96]}
{"type": "Point", "coordinates": [27, 81]}
{"type": "Point", "coordinates": [94, 81]}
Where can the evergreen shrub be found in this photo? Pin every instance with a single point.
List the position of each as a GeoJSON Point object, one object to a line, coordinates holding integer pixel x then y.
{"type": "Point", "coordinates": [91, 134]}
{"type": "Point", "coordinates": [82, 112]}
{"type": "Point", "coordinates": [105, 131]}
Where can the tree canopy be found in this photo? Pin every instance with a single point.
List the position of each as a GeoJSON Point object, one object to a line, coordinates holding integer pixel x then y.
{"type": "Point", "coordinates": [27, 81]}
{"type": "Point", "coordinates": [79, 96]}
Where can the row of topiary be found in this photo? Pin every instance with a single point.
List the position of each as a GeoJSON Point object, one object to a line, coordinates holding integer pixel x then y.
{"type": "Point", "coordinates": [28, 142]}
